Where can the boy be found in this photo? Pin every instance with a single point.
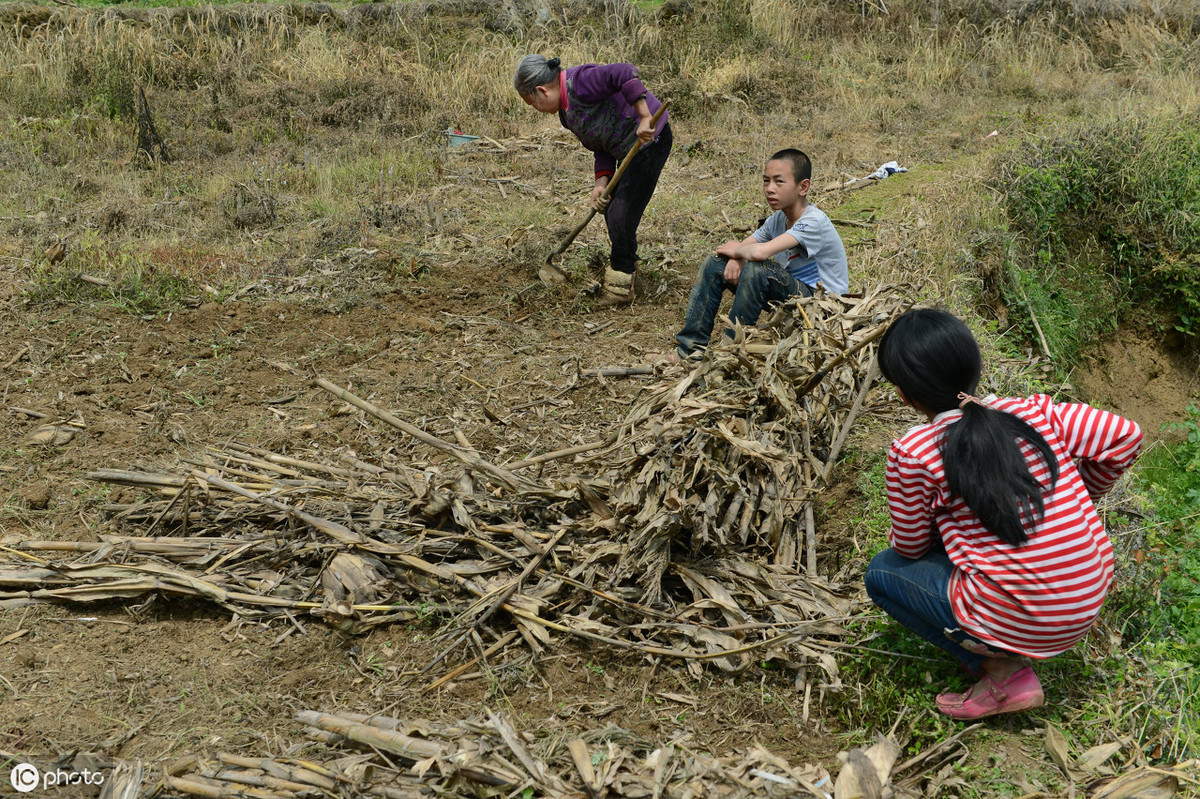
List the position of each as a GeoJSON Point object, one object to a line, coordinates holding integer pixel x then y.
{"type": "Point", "coordinates": [796, 248]}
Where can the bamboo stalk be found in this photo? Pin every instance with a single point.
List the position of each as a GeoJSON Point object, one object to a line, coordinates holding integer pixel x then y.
{"type": "Point", "coordinates": [255, 780]}
{"type": "Point", "coordinates": [558, 454]}
{"type": "Point", "coordinates": [158, 546]}
{"type": "Point", "coordinates": [855, 409]}
{"type": "Point", "coordinates": [338, 531]}
{"type": "Point", "coordinates": [810, 527]}
{"type": "Point", "coordinates": [144, 479]}
{"type": "Point", "coordinates": [286, 772]}
{"type": "Point", "coordinates": [282, 460]}
{"type": "Point", "coordinates": [195, 788]}
{"type": "Point", "coordinates": [388, 740]}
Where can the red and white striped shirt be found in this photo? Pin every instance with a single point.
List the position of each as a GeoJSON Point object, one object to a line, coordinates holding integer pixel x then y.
{"type": "Point", "coordinates": [1041, 597]}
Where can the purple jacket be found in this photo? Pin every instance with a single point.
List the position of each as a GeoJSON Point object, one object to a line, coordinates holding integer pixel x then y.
{"type": "Point", "coordinates": [600, 110]}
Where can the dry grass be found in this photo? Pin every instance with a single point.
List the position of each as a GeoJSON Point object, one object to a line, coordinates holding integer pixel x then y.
{"type": "Point", "coordinates": [308, 113]}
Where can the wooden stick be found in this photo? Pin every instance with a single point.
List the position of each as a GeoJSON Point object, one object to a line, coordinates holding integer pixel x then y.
{"type": "Point", "coordinates": [612, 184]}
{"type": "Point", "coordinates": [935, 749]}
{"type": "Point", "coordinates": [508, 638]}
{"type": "Point", "coordinates": [620, 371]}
{"type": "Point", "coordinates": [20, 354]}
{"type": "Point", "coordinates": [811, 383]}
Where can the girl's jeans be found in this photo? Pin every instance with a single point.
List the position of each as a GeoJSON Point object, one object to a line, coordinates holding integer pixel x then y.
{"type": "Point", "coordinates": [916, 593]}
{"type": "Point", "coordinates": [629, 199]}
{"type": "Point", "coordinates": [760, 284]}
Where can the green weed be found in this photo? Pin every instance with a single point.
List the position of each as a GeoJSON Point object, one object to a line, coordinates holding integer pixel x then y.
{"type": "Point", "coordinates": [1168, 563]}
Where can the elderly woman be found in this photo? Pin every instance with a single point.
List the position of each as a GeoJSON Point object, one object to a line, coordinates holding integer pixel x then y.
{"type": "Point", "coordinates": [608, 108]}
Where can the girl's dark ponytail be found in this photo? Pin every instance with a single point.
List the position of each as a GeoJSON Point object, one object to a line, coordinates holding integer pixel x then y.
{"type": "Point", "coordinates": [932, 357]}
{"type": "Point", "coordinates": [985, 466]}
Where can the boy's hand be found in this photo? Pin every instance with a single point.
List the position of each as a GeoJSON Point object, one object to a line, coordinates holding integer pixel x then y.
{"type": "Point", "coordinates": [599, 203]}
{"type": "Point", "coordinates": [733, 266]}
{"type": "Point", "coordinates": [730, 250]}
{"type": "Point", "coordinates": [733, 270]}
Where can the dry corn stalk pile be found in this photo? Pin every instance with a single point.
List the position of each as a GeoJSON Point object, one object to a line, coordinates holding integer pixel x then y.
{"type": "Point", "coordinates": [353, 754]}
{"type": "Point", "coordinates": [374, 755]}
{"type": "Point", "coordinates": [679, 536]}
{"type": "Point", "coordinates": [488, 757]}
{"type": "Point", "coordinates": [732, 457]}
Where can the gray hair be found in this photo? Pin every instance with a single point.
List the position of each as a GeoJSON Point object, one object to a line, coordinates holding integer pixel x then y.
{"type": "Point", "coordinates": [534, 71]}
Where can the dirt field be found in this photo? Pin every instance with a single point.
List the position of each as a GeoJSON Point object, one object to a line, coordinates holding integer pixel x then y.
{"type": "Point", "coordinates": [446, 326]}
{"type": "Point", "coordinates": [158, 679]}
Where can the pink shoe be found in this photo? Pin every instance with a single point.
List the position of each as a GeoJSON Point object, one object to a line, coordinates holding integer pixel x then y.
{"type": "Point", "coordinates": [991, 697]}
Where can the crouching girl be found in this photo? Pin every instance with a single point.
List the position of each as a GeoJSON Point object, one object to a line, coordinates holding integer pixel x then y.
{"type": "Point", "coordinates": [997, 553]}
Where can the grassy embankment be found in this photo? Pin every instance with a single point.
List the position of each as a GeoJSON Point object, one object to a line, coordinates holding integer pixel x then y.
{"type": "Point", "coordinates": [296, 144]}
{"type": "Point", "coordinates": [1107, 217]}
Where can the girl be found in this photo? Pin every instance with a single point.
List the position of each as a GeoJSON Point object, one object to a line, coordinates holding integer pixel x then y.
{"type": "Point", "coordinates": [997, 554]}
{"type": "Point", "coordinates": [608, 108]}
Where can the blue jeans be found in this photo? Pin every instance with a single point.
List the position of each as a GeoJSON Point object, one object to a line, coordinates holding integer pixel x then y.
{"type": "Point", "coordinates": [916, 593]}
{"type": "Point", "coordinates": [629, 199]}
{"type": "Point", "coordinates": [760, 284]}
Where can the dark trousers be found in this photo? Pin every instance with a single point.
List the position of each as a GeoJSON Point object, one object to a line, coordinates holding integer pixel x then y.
{"type": "Point", "coordinates": [760, 284]}
{"type": "Point", "coordinates": [629, 199]}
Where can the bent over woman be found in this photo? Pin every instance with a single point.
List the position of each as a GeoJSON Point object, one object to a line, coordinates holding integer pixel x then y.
{"type": "Point", "coordinates": [997, 553]}
{"type": "Point", "coordinates": [608, 108]}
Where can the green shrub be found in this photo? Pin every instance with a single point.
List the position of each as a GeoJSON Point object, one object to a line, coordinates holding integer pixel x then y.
{"type": "Point", "coordinates": [1106, 215]}
{"type": "Point", "coordinates": [134, 280]}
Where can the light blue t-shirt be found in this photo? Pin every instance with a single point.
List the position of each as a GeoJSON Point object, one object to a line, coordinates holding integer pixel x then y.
{"type": "Point", "coordinates": [819, 256]}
